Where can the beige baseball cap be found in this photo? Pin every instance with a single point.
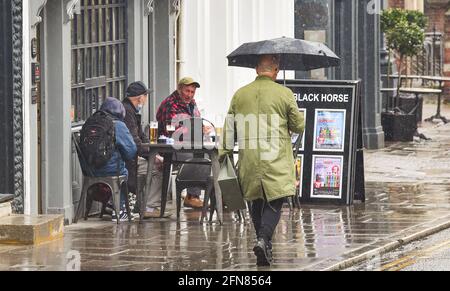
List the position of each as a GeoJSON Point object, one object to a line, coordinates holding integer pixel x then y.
{"type": "Point", "coordinates": [187, 81]}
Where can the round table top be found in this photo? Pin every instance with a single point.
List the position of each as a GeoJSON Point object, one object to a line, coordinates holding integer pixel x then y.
{"type": "Point", "coordinates": [420, 90]}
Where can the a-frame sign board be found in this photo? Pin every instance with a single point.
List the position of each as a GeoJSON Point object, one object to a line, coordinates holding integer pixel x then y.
{"type": "Point", "coordinates": [330, 160]}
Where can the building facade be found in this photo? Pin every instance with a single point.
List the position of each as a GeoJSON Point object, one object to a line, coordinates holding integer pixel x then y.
{"type": "Point", "coordinates": [66, 56]}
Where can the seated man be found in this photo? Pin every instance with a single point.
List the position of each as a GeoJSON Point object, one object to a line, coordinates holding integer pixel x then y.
{"type": "Point", "coordinates": [137, 95]}
{"type": "Point", "coordinates": [125, 148]}
{"type": "Point", "coordinates": [178, 106]}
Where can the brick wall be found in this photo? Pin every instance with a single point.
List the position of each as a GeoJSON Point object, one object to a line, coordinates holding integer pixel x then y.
{"type": "Point", "coordinates": [396, 3]}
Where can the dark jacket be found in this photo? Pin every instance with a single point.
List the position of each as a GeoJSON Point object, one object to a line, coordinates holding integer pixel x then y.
{"type": "Point", "coordinates": [133, 122]}
{"type": "Point", "coordinates": [125, 146]}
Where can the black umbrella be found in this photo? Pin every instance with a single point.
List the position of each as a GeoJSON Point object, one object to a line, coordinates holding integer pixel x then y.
{"type": "Point", "coordinates": [295, 54]}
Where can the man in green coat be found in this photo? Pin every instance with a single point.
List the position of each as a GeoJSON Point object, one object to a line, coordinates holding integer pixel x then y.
{"type": "Point", "coordinates": [261, 117]}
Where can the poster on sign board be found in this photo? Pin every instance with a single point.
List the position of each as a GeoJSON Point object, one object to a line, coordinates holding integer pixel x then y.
{"type": "Point", "coordinates": [327, 177]}
{"type": "Point", "coordinates": [333, 136]}
{"type": "Point", "coordinates": [329, 130]}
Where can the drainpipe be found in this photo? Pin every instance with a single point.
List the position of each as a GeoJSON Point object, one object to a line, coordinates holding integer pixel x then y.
{"type": "Point", "coordinates": [150, 11]}
{"type": "Point", "coordinates": [178, 22]}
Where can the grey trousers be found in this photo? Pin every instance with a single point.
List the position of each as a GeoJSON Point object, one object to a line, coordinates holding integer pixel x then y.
{"type": "Point", "coordinates": [154, 197]}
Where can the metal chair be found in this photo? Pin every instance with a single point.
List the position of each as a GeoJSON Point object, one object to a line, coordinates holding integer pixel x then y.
{"type": "Point", "coordinates": [195, 173]}
{"type": "Point", "coordinates": [116, 184]}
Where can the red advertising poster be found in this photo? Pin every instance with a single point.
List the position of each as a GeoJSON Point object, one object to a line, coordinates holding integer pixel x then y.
{"type": "Point", "coordinates": [327, 177]}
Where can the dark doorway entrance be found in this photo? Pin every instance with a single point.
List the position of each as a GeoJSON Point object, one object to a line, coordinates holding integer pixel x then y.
{"type": "Point", "coordinates": [99, 55]}
{"type": "Point", "coordinates": [6, 102]}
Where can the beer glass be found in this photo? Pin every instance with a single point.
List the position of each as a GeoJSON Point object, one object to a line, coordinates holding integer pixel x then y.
{"type": "Point", "coordinates": [219, 131]}
{"type": "Point", "coordinates": [218, 137]}
{"type": "Point", "coordinates": [153, 132]}
{"type": "Point", "coordinates": [170, 128]}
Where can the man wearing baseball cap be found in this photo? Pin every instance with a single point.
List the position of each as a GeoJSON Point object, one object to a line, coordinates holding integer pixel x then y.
{"type": "Point", "coordinates": [181, 105]}
{"type": "Point", "coordinates": [136, 99]}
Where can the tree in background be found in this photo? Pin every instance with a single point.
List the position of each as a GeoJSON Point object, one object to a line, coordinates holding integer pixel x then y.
{"type": "Point", "coordinates": [404, 31]}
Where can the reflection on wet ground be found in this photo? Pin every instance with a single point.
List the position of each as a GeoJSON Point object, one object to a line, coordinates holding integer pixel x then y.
{"type": "Point", "coordinates": [408, 190]}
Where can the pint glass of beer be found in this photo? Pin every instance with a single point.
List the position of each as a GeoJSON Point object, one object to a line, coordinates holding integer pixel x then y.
{"type": "Point", "coordinates": [219, 131]}
{"type": "Point", "coordinates": [219, 134]}
{"type": "Point", "coordinates": [153, 132]}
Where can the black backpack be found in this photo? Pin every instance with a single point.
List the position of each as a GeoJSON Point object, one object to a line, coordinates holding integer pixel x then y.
{"type": "Point", "coordinates": [98, 139]}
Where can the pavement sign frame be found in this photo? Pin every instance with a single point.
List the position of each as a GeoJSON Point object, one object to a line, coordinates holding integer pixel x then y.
{"type": "Point", "coordinates": [332, 164]}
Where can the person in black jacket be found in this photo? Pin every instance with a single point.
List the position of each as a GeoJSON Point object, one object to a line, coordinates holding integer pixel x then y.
{"type": "Point", "coordinates": [136, 99]}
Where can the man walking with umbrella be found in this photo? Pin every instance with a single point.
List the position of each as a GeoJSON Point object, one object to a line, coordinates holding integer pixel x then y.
{"type": "Point", "coordinates": [266, 162]}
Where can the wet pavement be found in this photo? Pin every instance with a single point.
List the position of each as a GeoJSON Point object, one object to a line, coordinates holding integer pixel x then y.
{"type": "Point", "coordinates": [430, 254]}
{"type": "Point", "coordinates": [408, 190]}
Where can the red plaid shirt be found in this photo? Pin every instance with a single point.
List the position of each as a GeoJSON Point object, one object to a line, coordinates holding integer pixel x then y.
{"type": "Point", "coordinates": [174, 108]}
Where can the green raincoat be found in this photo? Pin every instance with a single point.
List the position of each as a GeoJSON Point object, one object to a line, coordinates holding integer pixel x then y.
{"type": "Point", "coordinates": [260, 117]}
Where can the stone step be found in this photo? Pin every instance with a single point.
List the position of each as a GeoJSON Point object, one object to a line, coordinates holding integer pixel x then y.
{"type": "Point", "coordinates": [30, 230]}
{"type": "Point", "coordinates": [5, 209]}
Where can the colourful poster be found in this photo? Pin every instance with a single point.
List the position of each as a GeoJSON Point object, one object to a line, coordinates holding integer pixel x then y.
{"type": "Point", "coordinates": [299, 174]}
{"type": "Point", "coordinates": [329, 130]}
{"type": "Point", "coordinates": [327, 177]}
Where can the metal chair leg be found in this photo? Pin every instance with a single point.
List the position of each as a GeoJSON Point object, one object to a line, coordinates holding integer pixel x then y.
{"type": "Point", "coordinates": [179, 191]}
{"type": "Point", "coordinates": [88, 206]}
{"type": "Point", "coordinates": [102, 213]}
{"type": "Point", "coordinates": [213, 208]}
{"type": "Point", "coordinates": [81, 202]}
{"type": "Point", "coordinates": [116, 202]}
{"type": "Point", "coordinates": [208, 195]}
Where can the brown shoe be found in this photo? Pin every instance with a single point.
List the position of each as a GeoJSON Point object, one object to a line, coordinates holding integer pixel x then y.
{"type": "Point", "coordinates": [156, 213]}
{"type": "Point", "coordinates": [193, 202]}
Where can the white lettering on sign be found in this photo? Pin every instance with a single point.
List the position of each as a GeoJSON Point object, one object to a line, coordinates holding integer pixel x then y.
{"type": "Point", "coordinates": [307, 97]}
{"type": "Point", "coordinates": [330, 98]}
{"type": "Point", "coordinates": [341, 98]}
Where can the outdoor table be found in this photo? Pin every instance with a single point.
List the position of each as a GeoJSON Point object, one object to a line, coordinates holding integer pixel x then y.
{"type": "Point", "coordinates": [441, 81]}
{"type": "Point", "coordinates": [417, 92]}
{"type": "Point", "coordinates": [167, 151]}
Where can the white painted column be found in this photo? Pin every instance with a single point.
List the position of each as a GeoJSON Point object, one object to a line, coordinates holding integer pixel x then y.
{"type": "Point", "coordinates": [57, 122]}
{"type": "Point", "coordinates": [30, 117]}
{"type": "Point", "coordinates": [213, 29]}
{"type": "Point", "coordinates": [138, 48]}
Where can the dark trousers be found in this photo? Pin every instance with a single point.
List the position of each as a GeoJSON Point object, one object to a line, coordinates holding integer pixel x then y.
{"type": "Point", "coordinates": [265, 217]}
{"type": "Point", "coordinates": [194, 192]}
